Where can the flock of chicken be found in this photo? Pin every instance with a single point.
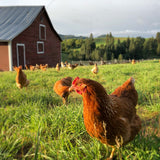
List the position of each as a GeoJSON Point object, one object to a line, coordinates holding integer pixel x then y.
{"type": "Point", "coordinates": [66, 64]}
{"type": "Point", "coordinates": [73, 66]}
{"type": "Point", "coordinates": [32, 68]}
{"type": "Point", "coordinates": [112, 119]}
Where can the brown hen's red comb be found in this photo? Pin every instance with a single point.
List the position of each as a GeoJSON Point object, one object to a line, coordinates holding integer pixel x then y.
{"type": "Point", "coordinates": [74, 81]}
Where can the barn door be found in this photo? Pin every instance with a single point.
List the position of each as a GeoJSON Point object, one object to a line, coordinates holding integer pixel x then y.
{"type": "Point", "coordinates": [21, 60]}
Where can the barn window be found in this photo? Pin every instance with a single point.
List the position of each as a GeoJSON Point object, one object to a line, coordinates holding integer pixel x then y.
{"type": "Point", "coordinates": [42, 32]}
{"type": "Point", "coordinates": [40, 47]}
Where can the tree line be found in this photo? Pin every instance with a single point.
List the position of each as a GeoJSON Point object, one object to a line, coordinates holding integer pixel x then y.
{"type": "Point", "coordinates": [131, 48]}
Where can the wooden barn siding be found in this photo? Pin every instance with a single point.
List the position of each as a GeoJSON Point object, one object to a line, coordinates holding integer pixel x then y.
{"type": "Point", "coordinates": [29, 37]}
{"type": "Point", "coordinates": [4, 59]}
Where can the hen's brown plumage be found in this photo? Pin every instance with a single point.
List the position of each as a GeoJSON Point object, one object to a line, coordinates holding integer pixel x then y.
{"type": "Point", "coordinates": [21, 78]}
{"type": "Point", "coordinates": [43, 67]}
{"type": "Point", "coordinates": [58, 67]}
{"type": "Point", "coordinates": [72, 66]}
{"type": "Point", "coordinates": [127, 90]}
{"type": "Point", "coordinates": [110, 118]}
{"type": "Point", "coordinates": [61, 87]}
{"type": "Point", "coordinates": [133, 61]}
{"type": "Point", "coordinates": [32, 68]}
{"type": "Point", "coordinates": [27, 67]}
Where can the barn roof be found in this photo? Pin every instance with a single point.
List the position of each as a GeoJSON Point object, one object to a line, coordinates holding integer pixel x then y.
{"type": "Point", "coordinates": [15, 19]}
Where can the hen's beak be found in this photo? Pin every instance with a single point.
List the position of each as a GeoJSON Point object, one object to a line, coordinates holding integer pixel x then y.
{"type": "Point", "coordinates": [71, 89]}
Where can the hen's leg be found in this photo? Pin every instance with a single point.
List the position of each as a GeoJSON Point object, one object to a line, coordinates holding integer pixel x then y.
{"type": "Point", "coordinates": [112, 153]}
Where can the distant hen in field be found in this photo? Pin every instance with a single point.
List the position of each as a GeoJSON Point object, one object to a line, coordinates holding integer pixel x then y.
{"type": "Point", "coordinates": [95, 69]}
{"type": "Point", "coordinates": [21, 78]}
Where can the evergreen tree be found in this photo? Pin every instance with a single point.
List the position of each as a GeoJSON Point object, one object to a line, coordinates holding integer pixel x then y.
{"type": "Point", "coordinates": [120, 48]}
{"type": "Point", "coordinates": [138, 47]}
{"type": "Point", "coordinates": [132, 49]}
{"type": "Point", "coordinates": [95, 55]}
{"type": "Point", "coordinates": [158, 37]}
{"type": "Point", "coordinates": [101, 49]}
{"type": "Point", "coordinates": [109, 40]}
{"type": "Point", "coordinates": [83, 51]}
{"type": "Point", "coordinates": [158, 49]}
{"type": "Point", "coordinates": [112, 57]}
{"type": "Point", "coordinates": [146, 49]}
{"type": "Point", "coordinates": [150, 48]}
{"type": "Point", "coordinates": [105, 56]}
{"type": "Point", "coordinates": [127, 48]}
{"type": "Point", "coordinates": [109, 45]}
{"type": "Point", "coordinates": [92, 42]}
{"type": "Point", "coordinates": [120, 58]}
{"type": "Point", "coordinates": [89, 47]}
{"type": "Point", "coordinates": [117, 48]}
{"type": "Point", "coordinates": [154, 46]}
{"type": "Point", "coordinates": [128, 43]}
{"type": "Point", "coordinates": [158, 42]}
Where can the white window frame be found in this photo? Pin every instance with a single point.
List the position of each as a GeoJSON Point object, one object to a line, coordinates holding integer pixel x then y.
{"type": "Point", "coordinates": [42, 25]}
{"type": "Point", "coordinates": [23, 45]}
{"type": "Point", "coordinates": [40, 52]}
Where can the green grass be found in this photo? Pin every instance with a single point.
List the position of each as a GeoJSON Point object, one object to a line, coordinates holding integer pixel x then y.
{"type": "Point", "coordinates": [34, 124]}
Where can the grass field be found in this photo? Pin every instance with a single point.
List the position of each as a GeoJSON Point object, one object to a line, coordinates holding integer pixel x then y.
{"type": "Point", "coordinates": [34, 124]}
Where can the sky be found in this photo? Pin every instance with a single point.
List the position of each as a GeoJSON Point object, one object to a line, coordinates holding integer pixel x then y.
{"type": "Point", "coordinates": [83, 17]}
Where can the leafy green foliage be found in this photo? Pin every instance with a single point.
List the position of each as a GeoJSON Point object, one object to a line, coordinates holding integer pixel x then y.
{"type": "Point", "coordinates": [130, 48]}
{"type": "Point", "coordinates": [34, 123]}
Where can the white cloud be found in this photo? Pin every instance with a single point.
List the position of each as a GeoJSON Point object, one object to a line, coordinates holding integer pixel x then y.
{"type": "Point", "coordinates": [156, 24]}
{"type": "Point", "coordinates": [99, 17]}
{"type": "Point", "coordinates": [24, 2]}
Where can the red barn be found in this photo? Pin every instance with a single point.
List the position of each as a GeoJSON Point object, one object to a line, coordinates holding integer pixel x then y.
{"type": "Point", "coordinates": [27, 36]}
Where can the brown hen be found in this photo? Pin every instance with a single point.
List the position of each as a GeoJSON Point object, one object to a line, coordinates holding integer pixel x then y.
{"type": "Point", "coordinates": [110, 118]}
{"type": "Point", "coordinates": [72, 66]}
{"type": "Point", "coordinates": [95, 69]}
{"type": "Point", "coordinates": [43, 67]}
{"type": "Point", "coordinates": [61, 87]}
{"type": "Point", "coordinates": [32, 68]}
{"type": "Point", "coordinates": [21, 78]}
{"type": "Point", "coordinates": [58, 67]}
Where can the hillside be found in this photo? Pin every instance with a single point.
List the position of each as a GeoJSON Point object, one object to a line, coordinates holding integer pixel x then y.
{"type": "Point", "coordinates": [63, 37]}
{"type": "Point", "coordinates": [102, 40]}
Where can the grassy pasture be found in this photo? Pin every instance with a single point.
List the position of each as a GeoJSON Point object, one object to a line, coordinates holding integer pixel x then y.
{"type": "Point", "coordinates": [34, 124]}
{"type": "Point", "coordinates": [102, 40]}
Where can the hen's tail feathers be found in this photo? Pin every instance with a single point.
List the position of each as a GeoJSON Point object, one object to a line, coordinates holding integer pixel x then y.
{"type": "Point", "coordinates": [132, 80]}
